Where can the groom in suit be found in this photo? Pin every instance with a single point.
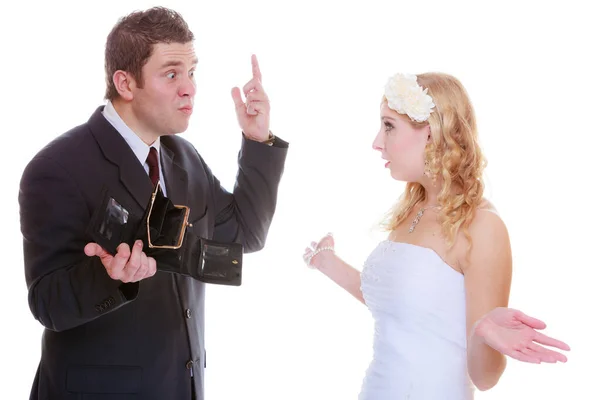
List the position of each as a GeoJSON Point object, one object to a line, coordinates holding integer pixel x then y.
{"type": "Point", "coordinates": [115, 327]}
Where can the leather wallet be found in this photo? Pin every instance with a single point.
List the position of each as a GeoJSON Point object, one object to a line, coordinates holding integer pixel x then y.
{"type": "Point", "coordinates": [168, 238]}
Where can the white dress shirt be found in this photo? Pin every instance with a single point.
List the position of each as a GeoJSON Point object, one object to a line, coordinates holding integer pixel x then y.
{"type": "Point", "coordinates": [139, 148]}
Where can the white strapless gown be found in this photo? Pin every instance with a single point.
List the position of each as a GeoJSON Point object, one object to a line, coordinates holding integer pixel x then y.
{"type": "Point", "coordinates": [420, 344]}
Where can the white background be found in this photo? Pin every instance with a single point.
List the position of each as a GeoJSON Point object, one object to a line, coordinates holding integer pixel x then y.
{"type": "Point", "coordinates": [288, 332]}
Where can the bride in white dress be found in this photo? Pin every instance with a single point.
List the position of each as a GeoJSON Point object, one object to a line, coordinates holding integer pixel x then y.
{"type": "Point", "coordinates": [438, 287]}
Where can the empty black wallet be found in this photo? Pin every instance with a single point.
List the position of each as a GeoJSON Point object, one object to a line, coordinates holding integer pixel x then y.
{"type": "Point", "coordinates": [167, 238]}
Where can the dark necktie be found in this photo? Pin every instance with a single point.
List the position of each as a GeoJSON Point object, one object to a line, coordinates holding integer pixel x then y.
{"type": "Point", "coordinates": [152, 161]}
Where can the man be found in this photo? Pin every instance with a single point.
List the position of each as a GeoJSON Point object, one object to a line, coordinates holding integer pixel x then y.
{"type": "Point", "coordinates": [115, 328]}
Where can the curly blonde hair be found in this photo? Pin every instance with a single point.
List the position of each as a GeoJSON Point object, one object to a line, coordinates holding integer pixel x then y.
{"type": "Point", "coordinates": [454, 155]}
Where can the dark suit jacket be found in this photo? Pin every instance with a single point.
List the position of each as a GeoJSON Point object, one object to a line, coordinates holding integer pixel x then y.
{"type": "Point", "coordinates": [105, 339]}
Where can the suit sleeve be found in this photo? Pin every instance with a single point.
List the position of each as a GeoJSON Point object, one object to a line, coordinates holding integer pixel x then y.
{"type": "Point", "coordinates": [245, 215]}
{"type": "Point", "coordinates": [66, 287]}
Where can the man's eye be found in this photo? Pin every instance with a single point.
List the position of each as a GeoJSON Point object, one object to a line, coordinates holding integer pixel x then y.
{"type": "Point", "coordinates": [171, 75]}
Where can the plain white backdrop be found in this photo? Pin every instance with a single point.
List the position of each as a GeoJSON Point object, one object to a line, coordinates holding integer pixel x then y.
{"type": "Point", "coordinates": [288, 332]}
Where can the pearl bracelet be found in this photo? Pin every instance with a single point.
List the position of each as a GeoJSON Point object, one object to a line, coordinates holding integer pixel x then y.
{"type": "Point", "coordinates": [317, 251]}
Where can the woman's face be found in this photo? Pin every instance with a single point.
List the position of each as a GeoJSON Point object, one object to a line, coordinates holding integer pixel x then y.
{"type": "Point", "coordinates": [401, 145]}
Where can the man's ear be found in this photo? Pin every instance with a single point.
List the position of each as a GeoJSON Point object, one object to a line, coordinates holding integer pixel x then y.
{"type": "Point", "coordinates": [124, 83]}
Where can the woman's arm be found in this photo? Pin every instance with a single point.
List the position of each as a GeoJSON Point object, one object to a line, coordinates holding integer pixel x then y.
{"type": "Point", "coordinates": [494, 330]}
{"type": "Point", "coordinates": [488, 274]}
{"type": "Point", "coordinates": [334, 267]}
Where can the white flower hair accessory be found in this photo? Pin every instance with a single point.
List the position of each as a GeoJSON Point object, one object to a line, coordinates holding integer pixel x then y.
{"type": "Point", "coordinates": [405, 96]}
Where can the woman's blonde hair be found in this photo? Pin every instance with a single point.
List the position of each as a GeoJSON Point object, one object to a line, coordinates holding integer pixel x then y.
{"type": "Point", "coordinates": [454, 155]}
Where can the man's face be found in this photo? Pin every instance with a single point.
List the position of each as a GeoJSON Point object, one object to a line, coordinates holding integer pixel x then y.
{"type": "Point", "coordinates": [164, 105]}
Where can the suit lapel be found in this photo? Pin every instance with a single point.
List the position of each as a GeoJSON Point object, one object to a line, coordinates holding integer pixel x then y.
{"type": "Point", "coordinates": [175, 176]}
{"type": "Point", "coordinates": [117, 151]}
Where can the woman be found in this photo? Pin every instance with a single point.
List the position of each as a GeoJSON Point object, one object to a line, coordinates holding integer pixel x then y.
{"type": "Point", "coordinates": [438, 287]}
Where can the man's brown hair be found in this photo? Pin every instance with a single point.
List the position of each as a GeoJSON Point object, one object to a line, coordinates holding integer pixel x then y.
{"type": "Point", "coordinates": [130, 43]}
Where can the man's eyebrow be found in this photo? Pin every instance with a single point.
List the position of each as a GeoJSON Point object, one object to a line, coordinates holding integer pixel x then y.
{"type": "Point", "coordinates": [177, 63]}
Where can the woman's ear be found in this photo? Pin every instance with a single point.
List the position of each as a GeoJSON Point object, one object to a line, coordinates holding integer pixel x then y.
{"type": "Point", "coordinates": [426, 131]}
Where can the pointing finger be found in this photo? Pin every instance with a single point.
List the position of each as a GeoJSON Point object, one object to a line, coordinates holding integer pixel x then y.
{"type": "Point", "coordinates": [255, 68]}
